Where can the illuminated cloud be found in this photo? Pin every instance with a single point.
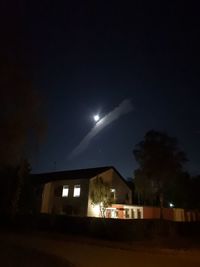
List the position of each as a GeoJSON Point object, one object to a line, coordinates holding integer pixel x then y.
{"type": "Point", "coordinates": [124, 108]}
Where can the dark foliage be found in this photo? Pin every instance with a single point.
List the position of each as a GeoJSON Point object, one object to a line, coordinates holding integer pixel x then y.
{"type": "Point", "coordinates": [17, 192]}
{"type": "Point", "coordinates": [160, 176]}
{"type": "Point", "coordinates": [194, 193]}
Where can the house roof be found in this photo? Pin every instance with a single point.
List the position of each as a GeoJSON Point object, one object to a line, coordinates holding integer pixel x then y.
{"type": "Point", "coordinates": [42, 178]}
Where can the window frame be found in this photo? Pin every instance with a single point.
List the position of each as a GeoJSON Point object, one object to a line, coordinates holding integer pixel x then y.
{"type": "Point", "coordinates": [65, 187]}
{"type": "Point", "coordinates": [77, 187]}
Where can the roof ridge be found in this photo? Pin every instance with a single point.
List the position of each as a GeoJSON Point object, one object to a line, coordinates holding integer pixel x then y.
{"type": "Point", "coordinates": [69, 174]}
{"type": "Point", "coordinates": [74, 170]}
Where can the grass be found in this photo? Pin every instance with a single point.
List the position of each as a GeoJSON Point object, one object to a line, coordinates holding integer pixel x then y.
{"type": "Point", "coordinates": [16, 256]}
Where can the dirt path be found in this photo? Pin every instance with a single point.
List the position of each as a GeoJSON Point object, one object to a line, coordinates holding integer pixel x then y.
{"type": "Point", "coordinates": [89, 255]}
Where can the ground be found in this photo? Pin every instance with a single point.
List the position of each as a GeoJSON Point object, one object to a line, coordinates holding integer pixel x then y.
{"type": "Point", "coordinates": [12, 255]}
{"type": "Point", "coordinates": [83, 252]}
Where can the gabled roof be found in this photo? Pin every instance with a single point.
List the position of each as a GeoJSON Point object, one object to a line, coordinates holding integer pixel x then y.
{"type": "Point", "coordinates": [42, 178]}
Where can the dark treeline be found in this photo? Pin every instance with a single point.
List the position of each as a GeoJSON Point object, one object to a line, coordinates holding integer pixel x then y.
{"type": "Point", "coordinates": [161, 177]}
{"type": "Point", "coordinates": [21, 126]}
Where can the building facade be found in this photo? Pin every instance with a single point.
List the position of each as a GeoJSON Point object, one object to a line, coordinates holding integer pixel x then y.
{"type": "Point", "coordinates": [68, 192]}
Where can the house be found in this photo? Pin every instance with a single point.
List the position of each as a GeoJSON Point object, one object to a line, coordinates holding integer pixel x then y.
{"type": "Point", "coordinates": [68, 192]}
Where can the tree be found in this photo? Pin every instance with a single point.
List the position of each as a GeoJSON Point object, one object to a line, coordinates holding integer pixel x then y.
{"type": "Point", "coordinates": [17, 192]}
{"type": "Point", "coordinates": [25, 198]}
{"type": "Point", "coordinates": [22, 128]}
{"type": "Point", "coordinates": [101, 195]}
{"type": "Point", "coordinates": [21, 174]}
{"type": "Point", "coordinates": [144, 188]}
{"type": "Point", "coordinates": [177, 190]}
{"type": "Point", "coordinates": [194, 196]}
{"type": "Point", "coordinates": [21, 119]}
{"type": "Point", "coordinates": [160, 163]}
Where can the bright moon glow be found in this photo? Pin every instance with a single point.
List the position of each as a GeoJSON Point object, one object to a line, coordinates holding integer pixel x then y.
{"type": "Point", "coordinates": [100, 123]}
{"type": "Point", "coordinates": [96, 118]}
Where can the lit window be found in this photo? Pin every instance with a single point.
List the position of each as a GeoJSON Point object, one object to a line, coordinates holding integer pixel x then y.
{"type": "Point", "coordinates": [77, 190]}
{"type": "Point", "coordinates": [65, 191]}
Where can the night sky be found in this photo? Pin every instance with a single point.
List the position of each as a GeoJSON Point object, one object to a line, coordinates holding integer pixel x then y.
{"type": "Point", "coordinates": [88, 58]}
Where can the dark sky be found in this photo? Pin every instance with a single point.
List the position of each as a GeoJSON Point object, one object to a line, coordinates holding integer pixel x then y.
{"type": "Point", "coordinates": [87, 58]}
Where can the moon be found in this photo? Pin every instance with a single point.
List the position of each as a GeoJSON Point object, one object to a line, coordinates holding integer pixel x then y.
{"type": "Point", "coordinates": [96, 118]}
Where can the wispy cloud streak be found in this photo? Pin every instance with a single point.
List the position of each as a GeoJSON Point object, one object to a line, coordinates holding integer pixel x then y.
{"type": "Point", "coordinates": [124, 108]}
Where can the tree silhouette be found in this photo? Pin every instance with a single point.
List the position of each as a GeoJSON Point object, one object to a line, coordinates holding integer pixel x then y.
{"type": "Point", "coordinates": [160, 163]}
{"type": "Point", "coordinates": [194, 196]}
{"type": "Point", "coordinates": [22, 127]}
{"type": "Point", "coordinates": [21, 115]}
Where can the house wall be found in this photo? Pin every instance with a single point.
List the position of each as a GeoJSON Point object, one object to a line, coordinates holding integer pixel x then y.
{"type": "Point", "coordinates": [145, 212]}
{"type": "Point", "coordinates": [120, 211]}
{"type": "Point", "coordinates": [179, 215]}
{"type": "Point", "coordinates": [168, 213]}
{"type": "Point", "coordinates": [129, 212]}
{"type": "Point", "coordinates": [171, 214]}
{"type": "Point", "coordinates": [53, 202]}
{"type": "Point", "coordinates": [46, 206]}
{"type": "Point", "coordinates": [123, 193]}
{"type": "Point", "coordinates": [151, 212]}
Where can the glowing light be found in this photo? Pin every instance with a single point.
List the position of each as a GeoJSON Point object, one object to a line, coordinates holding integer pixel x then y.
{"type": "Point", "coordinates": [96, 118]}
{"type": "Point", "coordinates": [171, 205]}
{"type": "Point", "coordinates": [96, 210]}
{"type": "Point", "coordinates": [65, 191]}
{"type": "Point", "coordinates": [77, 190]}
